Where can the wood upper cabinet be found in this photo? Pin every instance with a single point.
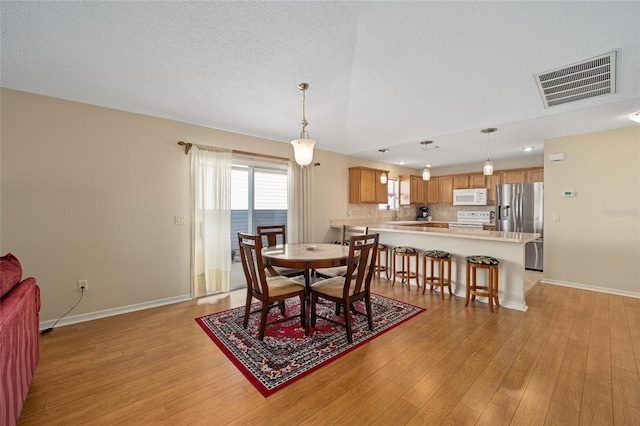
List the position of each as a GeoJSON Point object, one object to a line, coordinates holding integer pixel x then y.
{"type": "Point", "coordinates": [492, 181]}
{"type": "Point", "coordinates": [477, 180]}
{"type": "Point", "coordinates": [446, 189]}
{"type": "Point", "coordinates": [431, 190]}
{"type": "Point", "coordinates": [513, 176]}
{"type": "Point", "coordinates": [535, 175]}
{"type": "Point", "coordinates": [411, 190]}
{"type": "Point", "coordinates": [365, 186]}
{"type": "Point", "coordinates": [439, 190]}
{"type": "Point", "coordinates": [461, 182]}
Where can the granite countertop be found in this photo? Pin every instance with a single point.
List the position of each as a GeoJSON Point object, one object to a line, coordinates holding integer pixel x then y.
{"type": "Point", "coordinates": [409, 227]}
{"type": "Point", "coordinates": [476, 234]}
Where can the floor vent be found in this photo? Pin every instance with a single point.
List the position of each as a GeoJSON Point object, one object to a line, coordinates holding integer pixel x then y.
{"type": "Point", "coordinates": [583, 80]}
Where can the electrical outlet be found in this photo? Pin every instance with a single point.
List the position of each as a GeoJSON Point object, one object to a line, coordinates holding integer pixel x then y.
{"type": "Point", "coordinates": [82, 284]}
{"type": "Point", "coordinates": [180, 220]}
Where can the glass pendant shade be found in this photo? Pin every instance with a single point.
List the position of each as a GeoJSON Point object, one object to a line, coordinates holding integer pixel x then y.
{"type": "Point", "coordinates": [426, 174]}
{"type": "Point", "coordinates": [383, 178]}
{"type": "Point", "coordinates": [303, 147]}
{"type": "Point", "coordinates": [487, 169]}
{"type": "Point", "coordinates": [303, 150]}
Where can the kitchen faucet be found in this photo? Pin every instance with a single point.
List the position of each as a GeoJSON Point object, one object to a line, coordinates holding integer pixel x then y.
{"type": "Point", "coordinates": [395, 212]}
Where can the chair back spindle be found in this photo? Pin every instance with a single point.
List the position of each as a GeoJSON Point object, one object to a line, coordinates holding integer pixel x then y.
{"type": "Point", "coordinates": [252, 264]}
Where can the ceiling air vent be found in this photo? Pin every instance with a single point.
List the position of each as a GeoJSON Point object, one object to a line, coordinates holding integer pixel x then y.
{"type": "Point", "coordinates": [582, 80]}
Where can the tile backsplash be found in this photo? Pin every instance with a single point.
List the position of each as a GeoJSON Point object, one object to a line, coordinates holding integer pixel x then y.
{"type": "Point", "coordinates": [439, 212]}
{"type": "Point", "coordinates": [371, 211]}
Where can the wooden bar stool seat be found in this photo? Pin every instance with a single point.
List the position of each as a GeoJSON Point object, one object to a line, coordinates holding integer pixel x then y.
{"type": "Point", "coordinates": [491, 289]}
{"type": "Point", "coordinates": [443, 278]}
{"type": "Point", "coordinates": [405, 254]}
{"type": "Point", "coordinates": [379, 268]}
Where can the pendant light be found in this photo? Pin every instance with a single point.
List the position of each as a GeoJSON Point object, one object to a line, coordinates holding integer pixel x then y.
{"type": "Point", "coordinates": [383, 175]}
{"type": "Point", "coordinates": [487, 169]}
{"type": "Point", "coordinates": [303, 147]}
{"type": "Point", "coordinates": [426, 173]}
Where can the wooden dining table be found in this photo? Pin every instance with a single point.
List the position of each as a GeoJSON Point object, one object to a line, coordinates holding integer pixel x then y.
{"type": "Point", "coordinates": [306, 256]}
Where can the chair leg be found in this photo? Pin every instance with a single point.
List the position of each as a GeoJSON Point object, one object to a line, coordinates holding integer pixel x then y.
{"type": "Point", "coordinates": [495, 288]}
{"type": "Point", "coordinates": [490, 288]}
{"type": "Point", "coordinates": [303, 314]}
{"type": "Point", "coordinates": [466, 298]}
{"type": "Point", "coordinates": [449, 277]}
{"type": "Point", "coordinates": [264, 312]}
{"type": "Point", "coordinates": [395, 266]}
{"type": "Point", "coordinates": [314, 299]}
{"type": "Point", "coordinates": [247, 309]}
{"type": "Point", "coordinates": [347, 324]}
{"type": "Point", "coordinates": [367, 304]}
{"type": "Point", "coordinates": [282, 308]}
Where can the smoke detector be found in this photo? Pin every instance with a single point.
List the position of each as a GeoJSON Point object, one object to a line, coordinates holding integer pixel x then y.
{"type": "Point", "coordinates": [583, 80]}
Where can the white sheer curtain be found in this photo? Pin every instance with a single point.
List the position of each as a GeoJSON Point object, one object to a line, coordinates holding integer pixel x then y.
{"type": "Point", "coordinates": [300, 204]}
{"type": "Point", "coordinates": [211, 219]}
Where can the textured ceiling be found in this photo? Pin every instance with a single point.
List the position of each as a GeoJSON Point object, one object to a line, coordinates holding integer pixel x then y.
{"type": "Point", "coordinates": [381, 74]}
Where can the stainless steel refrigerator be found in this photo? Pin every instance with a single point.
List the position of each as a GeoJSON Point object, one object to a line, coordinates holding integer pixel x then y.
{"type": "Point", "coordinates": [520, 209]}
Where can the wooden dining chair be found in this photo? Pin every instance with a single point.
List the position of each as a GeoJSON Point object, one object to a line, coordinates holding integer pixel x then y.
{"type": "Point", "coordinates": [271, 291]}
{"type": "Point", "coordinates": [272, 235]}
{"type": "Point", "coordinates": [354, 286]}
{"type": "Point", "coordinates": [339, 271]}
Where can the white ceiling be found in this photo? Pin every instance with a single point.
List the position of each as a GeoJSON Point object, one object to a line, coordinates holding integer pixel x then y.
{"type": "Point", "coordinates": [381, 74]}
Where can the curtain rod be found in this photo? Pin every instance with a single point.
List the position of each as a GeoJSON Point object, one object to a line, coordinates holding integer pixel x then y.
{"type": "Point", "coordinates": [188, 145]}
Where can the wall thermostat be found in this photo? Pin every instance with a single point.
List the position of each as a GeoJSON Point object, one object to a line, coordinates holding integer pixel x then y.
{"type": "Point", "coordinates": [557, 156]}
{"type": "Point", "coordinates": [569, 193]}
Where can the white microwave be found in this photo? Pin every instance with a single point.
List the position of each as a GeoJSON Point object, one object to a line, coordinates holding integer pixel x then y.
{"type": "Point", "coordinates": [470, 197]}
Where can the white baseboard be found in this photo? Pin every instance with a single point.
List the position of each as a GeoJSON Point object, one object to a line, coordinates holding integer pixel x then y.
{"type": "Point", "coordinates": [592, 288]}
{"type": "Point", "coordinates": [114, 311]}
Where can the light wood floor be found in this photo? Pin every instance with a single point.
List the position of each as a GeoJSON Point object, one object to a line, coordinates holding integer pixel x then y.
{"type": "Point", "coordinates": [573, 358]}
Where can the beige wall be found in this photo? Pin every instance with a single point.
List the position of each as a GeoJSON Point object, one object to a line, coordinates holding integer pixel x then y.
{"type": "Point", "coordinates": [91, 193]}
{"type": "Point", "coordinates": [596, 242]}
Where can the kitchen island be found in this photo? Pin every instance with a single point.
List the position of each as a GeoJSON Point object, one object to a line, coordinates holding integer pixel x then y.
{"type": "Point", "coordinates": [508, 247]}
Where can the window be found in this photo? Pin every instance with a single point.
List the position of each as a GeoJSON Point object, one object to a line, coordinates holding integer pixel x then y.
{"type": "Point", "coordinates": [392, 203]}
{"type": "Point", "coordinates": [258, 197]}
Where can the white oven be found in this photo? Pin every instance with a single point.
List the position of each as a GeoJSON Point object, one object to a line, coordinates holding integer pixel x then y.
{"type": "Point", "coordinates": [471, 220]}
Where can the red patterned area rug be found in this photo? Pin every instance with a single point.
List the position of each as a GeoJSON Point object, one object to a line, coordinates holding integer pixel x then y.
{"type": "Point", "coordinates": [286, 354]}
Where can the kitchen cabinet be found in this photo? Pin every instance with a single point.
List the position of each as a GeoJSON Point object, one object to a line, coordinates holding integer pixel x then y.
{"type": "Point", "coordinates": [446, 189]}
{"type": "Point", "coordinates": [461, 182]}
{"type": "Point", "coordinates": [535, 175]}
{"type": "Point", "coordinates": [431, 190]}
{"type": "Point", "coordinates": [513, 176]}
{"type": "Point", "coordinates": [492, 181]}
{"type": "Point", "coordinates": [365, 186]}
{"type": "Point", "coordinates": [411, 190]}
{"type": "Point", "coordinates": [477, 180]}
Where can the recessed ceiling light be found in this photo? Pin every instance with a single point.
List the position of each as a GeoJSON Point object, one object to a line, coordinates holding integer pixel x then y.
{"type": "Point", "coordinates": [635, 117]}
{"type": "Point", "coordinates": [527, 148]}
{"type": "Point", "coordinates": [401, 162]}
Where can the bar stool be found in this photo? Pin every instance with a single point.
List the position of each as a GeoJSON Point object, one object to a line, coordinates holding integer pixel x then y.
{"type": "Point", "coordinates": [379, 266]}
{"type": "Point", "coordinates": [405, 254]}
{"type": "Point", "coordinates": [442, 279]}
{"type": "Point", "coordinates": [491, 289]}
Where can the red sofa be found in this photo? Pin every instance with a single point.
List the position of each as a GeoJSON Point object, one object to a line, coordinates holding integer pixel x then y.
{"type": "Point", "coordinates": [19, 350]}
